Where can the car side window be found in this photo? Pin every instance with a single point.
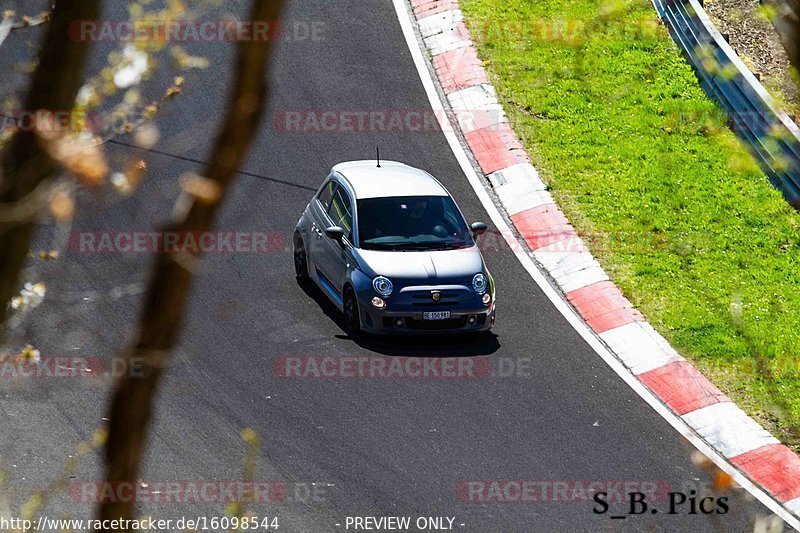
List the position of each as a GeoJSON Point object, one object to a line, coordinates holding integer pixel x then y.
{"type": "Point", "coordinates": [326, 194]}
{"type": "Point", "coordinates": [341, 212]}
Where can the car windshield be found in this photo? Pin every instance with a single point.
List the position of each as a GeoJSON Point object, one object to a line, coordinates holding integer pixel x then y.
{"type": "Point", "coordinates": [411, 223]}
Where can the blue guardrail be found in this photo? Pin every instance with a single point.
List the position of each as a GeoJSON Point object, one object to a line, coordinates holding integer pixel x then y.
{"type": "Point", "coordinates": [772, 137]}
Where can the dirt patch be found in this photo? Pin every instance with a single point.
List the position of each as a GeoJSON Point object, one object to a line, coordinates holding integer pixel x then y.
{"type": "Point", "coordinates": [754, 38]}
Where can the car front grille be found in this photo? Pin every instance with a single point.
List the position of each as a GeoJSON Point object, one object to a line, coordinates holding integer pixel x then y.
{"type": "Point", "coordinates": [433, 325]}
{"type": "Point", "coordinates": [423, 299]}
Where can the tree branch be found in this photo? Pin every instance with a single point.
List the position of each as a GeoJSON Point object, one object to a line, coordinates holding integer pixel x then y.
{"type": "Point", "coordinates": [24, 165]}
{"type": "Point", "coordinates": [787, 23]}
{"type": "Point", "coordinates": [132, 402]}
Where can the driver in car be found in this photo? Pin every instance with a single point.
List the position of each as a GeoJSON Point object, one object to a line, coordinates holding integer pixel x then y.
{"type": "Point", "coordinates": [414, 220]}
{"type": "Point", "coordinates": [410, 220]}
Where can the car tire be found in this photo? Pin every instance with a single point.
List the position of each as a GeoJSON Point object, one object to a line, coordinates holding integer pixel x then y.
{"type": "Point", "coordinates": [352, 317]}
{"type": "Point", "coordinates": [300, 261]}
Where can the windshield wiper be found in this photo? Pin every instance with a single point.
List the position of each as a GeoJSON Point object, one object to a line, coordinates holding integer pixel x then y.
{"type": "Point", "coordinates": [426, 246]}
{"type": "Point", "coordinates": [436, 245]}
{"type": "Point", "coordinates": [381, 245]}
{"type": "Point", "coordinates": [423, 246]}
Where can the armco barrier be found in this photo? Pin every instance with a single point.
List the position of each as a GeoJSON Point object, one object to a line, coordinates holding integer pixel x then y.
{"type": "Point", "coordinates": [772, 137]}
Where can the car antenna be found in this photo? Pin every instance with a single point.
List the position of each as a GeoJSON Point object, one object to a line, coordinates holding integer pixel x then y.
{"type": "Point", "coordinates": [378, 149]}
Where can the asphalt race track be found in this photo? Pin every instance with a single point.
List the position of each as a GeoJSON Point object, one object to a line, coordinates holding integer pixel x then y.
{"type": "Point", "coordinates": [339, 447]}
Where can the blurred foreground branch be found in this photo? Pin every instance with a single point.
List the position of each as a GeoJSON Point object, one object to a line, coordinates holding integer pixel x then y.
{"type": "Point", "coordinates": [786, 20]}
{"type": "Point", "coordinates": [132, 402]}
{"type": "Point", "coordinates": [25, 166]}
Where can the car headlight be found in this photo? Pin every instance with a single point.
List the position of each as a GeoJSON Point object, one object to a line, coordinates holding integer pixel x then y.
{"type": "Point", "coordinates": [382, 286]}
{"type": "Point", "coordinates": [479, 283]}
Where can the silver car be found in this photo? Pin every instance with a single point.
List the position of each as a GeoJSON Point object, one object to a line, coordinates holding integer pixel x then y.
{"type": "Point", "coordinates": [390, 248]}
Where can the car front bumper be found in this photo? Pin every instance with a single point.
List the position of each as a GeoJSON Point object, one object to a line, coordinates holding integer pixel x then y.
{"type": "Point", "coordinates": [407, 322]}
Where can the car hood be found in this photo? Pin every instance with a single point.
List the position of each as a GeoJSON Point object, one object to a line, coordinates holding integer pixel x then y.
{"type": "Point", "coordinates": [456, 265]}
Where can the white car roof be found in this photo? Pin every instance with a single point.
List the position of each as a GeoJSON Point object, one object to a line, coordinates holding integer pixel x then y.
{"type": "Point", "coordinates": [391, 179]}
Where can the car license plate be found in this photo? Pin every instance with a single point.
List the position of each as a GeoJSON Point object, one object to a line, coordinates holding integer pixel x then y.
{"type": "Point", "coordinates": [436, 315]}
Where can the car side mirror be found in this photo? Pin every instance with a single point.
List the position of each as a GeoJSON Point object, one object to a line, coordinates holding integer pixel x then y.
{"type": "Point", "coordinates": [478, 228]}
{"type": "Point", "coordinates": [336, 233]}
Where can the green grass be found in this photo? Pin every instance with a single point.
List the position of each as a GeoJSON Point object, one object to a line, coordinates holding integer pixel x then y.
{"type": "Point", "coordinates": [669, 202]}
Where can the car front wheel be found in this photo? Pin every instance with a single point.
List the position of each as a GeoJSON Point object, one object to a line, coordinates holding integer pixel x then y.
{"type": "Point", "coordinates": [300, 261]}
{"type": "Point", "coordinates": [352, 320]}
